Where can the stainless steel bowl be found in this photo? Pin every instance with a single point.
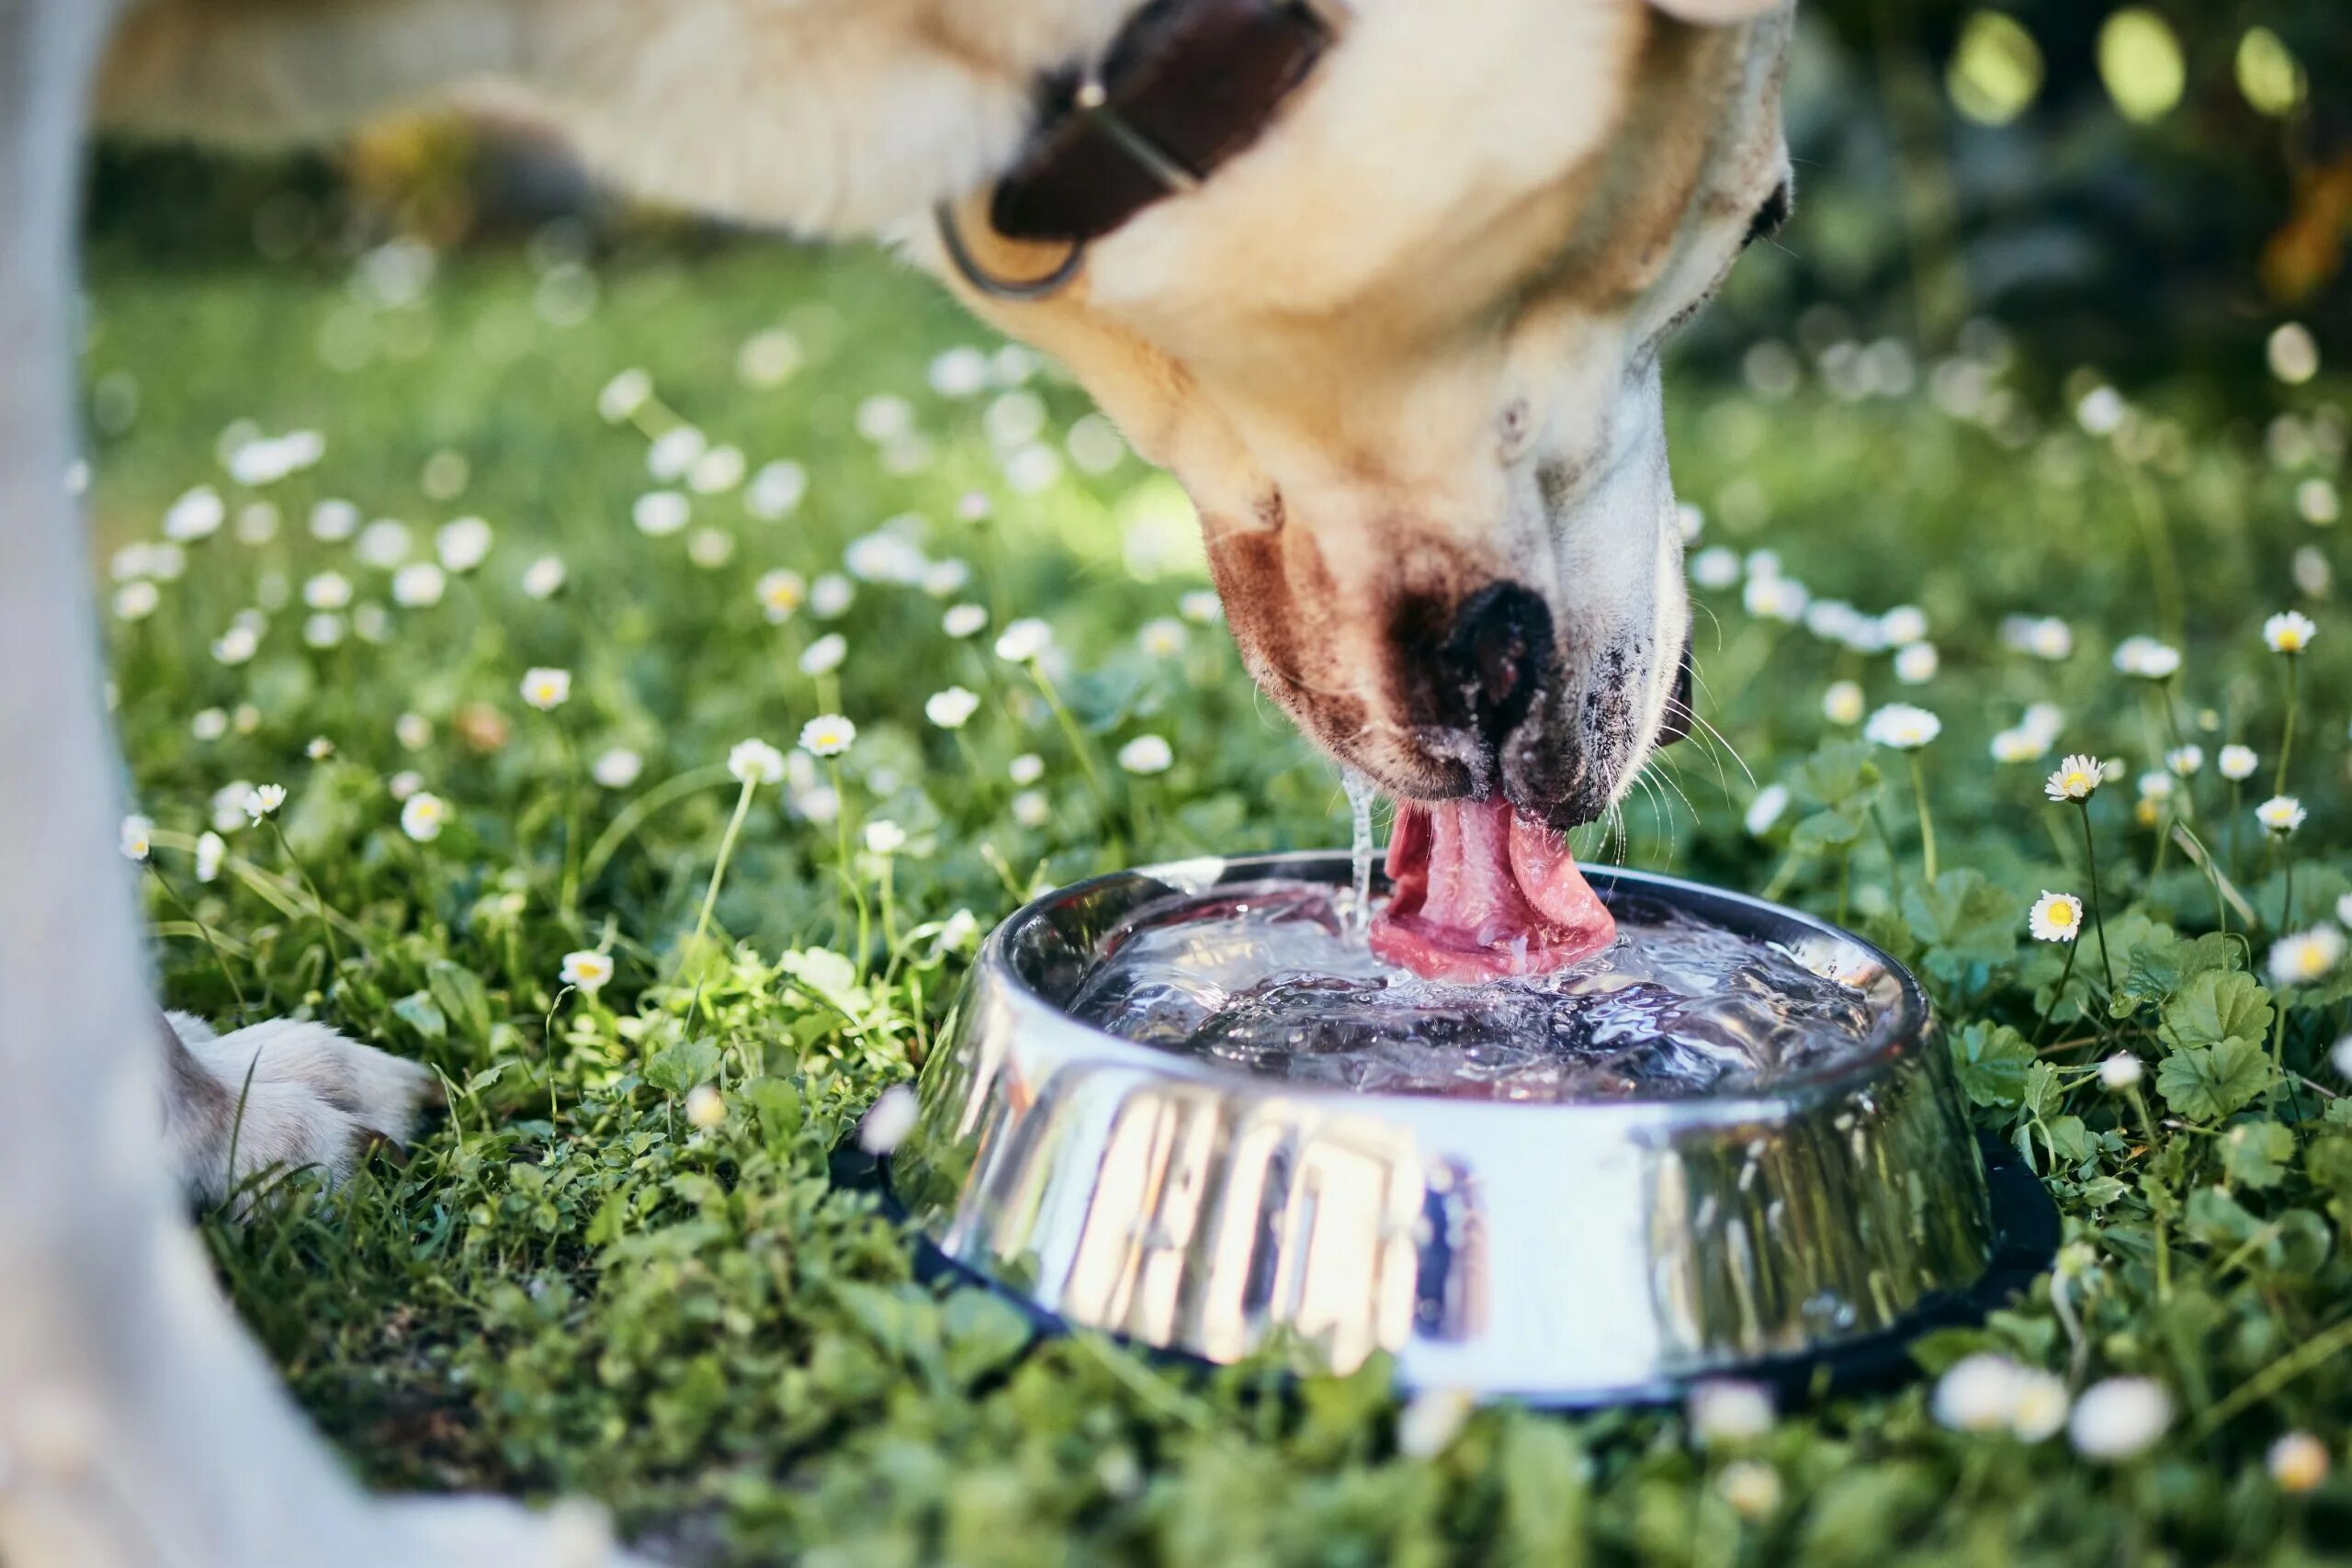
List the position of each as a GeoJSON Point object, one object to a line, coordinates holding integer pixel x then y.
{"type": "Point", "coordinates": [1562, 1253]}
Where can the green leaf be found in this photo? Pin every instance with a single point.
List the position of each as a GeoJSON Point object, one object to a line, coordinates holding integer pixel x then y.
{"type": "Point", "coordinates": [1819, 832]}
{"type": "Point", "coordinates": [777, 1101]}
{"type": "Point", "coordinates": [984, 1331]}
{"type": "Point", "coordinates": [682, 1066]}
{"type": "Point", "coordinates": [1841, 774]}
{"type": "Point", "coordinates": [2255, 1152]}
{"type": "Point", "coordinates": [2214, 1007]}
{"type": "Point", "coordinates": [1962, 919]}
{"type": "Point", "coordinates": [2158, 967]}
{"type": "Point", "coordinates": [418, 1012]}
{"type": "Point", "coordinates": [463, 997]}
{"type": "Point", "coordinates": [2207, 1083]}
{"type": "Point", "coordinates": [1991, 1060]}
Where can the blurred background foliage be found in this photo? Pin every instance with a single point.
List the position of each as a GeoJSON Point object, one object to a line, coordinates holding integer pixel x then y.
{"type": "Point", "coordinates": [2144, 189]}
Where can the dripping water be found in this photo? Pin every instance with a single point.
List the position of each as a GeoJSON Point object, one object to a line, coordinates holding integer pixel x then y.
{"type": "Point", "coordinates": [1362, 793]}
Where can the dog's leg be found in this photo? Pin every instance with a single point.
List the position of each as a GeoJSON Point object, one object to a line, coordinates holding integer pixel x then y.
{"type": "Point", "coordinates": [137, 1423]}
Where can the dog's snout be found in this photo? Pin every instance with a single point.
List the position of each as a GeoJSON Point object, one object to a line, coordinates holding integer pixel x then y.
{"type": "Point", "coordinates": [1501, 641]}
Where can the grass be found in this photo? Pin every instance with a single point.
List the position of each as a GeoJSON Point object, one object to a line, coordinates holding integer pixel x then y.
{"type": "Point", "coordinates": [576, 1284]}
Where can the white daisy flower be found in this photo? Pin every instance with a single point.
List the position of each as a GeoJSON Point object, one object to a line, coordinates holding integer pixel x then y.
{"type": "Point", "coordinates": [717, 471]}
{"type": "Point", "coordinates": [624, 395]}
{"type": "Point", "coordinates": [1715, 567]}
{"type": "Point", "coordinates": [945, 579]}
{"type": "Point", "coordinates": [2238, 762]}
{"type": "Point", "coordinates": [883, 837]}
{"type": "Point", "coordinates": [888, 1122]}
{"type": "Point", "coordinates": [2297, 1462]}
{"type": "Point", "coordinates": [1904, 624]}
{"type": "Point", "coordinates": [1775, 598]}
{"type": "Point", "coordinates": [586, 970]}
{"type": "Point", "coordinates": [952, 708]}
{"type": "Point", "coordinates": [1202, 607]}
{"type": "Point", "coordinates": [137, 600]}
{"type": "Point", "coordinates": [1900, 726]}
{"type": "Point", "coordinates": [2318, 503]}
{"type": "Point", "coordinates": [768, 358]}
{"type": "Point", "coordinates": [673, 451]}
{"type": "Point", "coordinates": [884, 416]}
{"type": "Point", "coordinates": [1751, 1488]}
{"type": "Point", "coordinates": [1729, 1410]}
{"type": "Point", "coordinates": [831, 596]}
{"type": "Point", "coordinates": [2037, 1406]}
{"type": "Point", "coordinates": [418, 585]}
{"type": "Point", "coordinates": [2049, 639]}
{"type": "Point", "coordinates": [2281, 814]}
{"type": "Point", "coordinates": [546, 689]}
{"type": "Point", "coordinates": [196, 514]}
{"type": "Point", "coordinates": [1432, 1419]}
{"type": "Point", "coordinates": [1765, 809]}
{"type": "Point", "coordinates": [711, 548]}
{"type": "Point", "coordinates": [383, 544]}
{"type": "Point", "coordinates": [2289, 631]}
{"type": "Point", "coordinates": [1024, 641]}
{"type": "Point", "coordinates": [2119, 1418]}
{"type": "Point", "coordinates": [2120, 1072]}
{"type": "Point", "coordinates": [462, 543]}
{"type": "Point", "coordinates": [1026, 768]}
{"type": "Point", "coordinates": [754, 761]}
{"type": "Point", "coordinates": [422, 816]}
{"type": "Point", "coordinates": [705, 1107]}
{"type": "Point", "coordinates": [1031, 809]}
{"type": "Point", "coordinates": [616, 768]}
{"type": "Point", "coordinates": [414, 731]}
{"type": "Point", "coordinates": [1976, 1394]}
{"type": "Point", "coordinates": [211, 850]}
{"type": "Point", "coordinates": [2186, 761]}
{"type": "Point", "coordinates": [2303, 957]}
{"type": "Point", "coordinates": [1162, 639]}
{"type": "Point", "coordinates": [1842, 704]}
{"type": "Point", "coordinates": [137, 833]}
{"type": "Point", "coordinates": [1916, 663]}
{"type": "Point", "coordinates": [661, 512]}
{"type": "Point", "coordinates": [2078, 778]}
{"type": "Point", "coordinates": [884, 557]}
{"type": "Point", "coordinates": [210, 724]}
{"type": "Point", "coordinates": [2019, 745]}
{"type": "Point", "coordinates": [2045, 719]}
{"type": "Point", "coordinates": [228, 805]}
{"type": "Point", "coordinates": [332, 521]}
{"type": "Point", "coordinates": [544, 578]}
{"type": "Point", "coordinates": [777, 490]}
{"type": "Point", "coordinates": [319, 748]}
{"type": "Point", "coordinates": [959, 372]}
{"type": "Point", "coordinates": [825, 655]}
{"type": "Point", "coordinates": [2056, 917]}
{"type": "Point", "coordinates": [2147, 659]}
{"type": "Point", "coordinates": [828, 734]}
{"type": "Point", "coordinates": [324, 630]}
{"type": "Point", "coordinates": [781, 594]}
{"type": "Point", "coordinates": [1147, 754]}
{"type": "Point", "coordinates": [263, 800]}
{"type": "Point", "coordinates": [2155, 786]}
{"type": "Point", "coordinates": [962, 621]}
{"type": "Point", "coordinates": [327, 590]}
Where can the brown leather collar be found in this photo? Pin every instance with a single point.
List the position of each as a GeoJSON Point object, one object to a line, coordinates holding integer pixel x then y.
{"type": "Point", "coordinates": [1185, 86]}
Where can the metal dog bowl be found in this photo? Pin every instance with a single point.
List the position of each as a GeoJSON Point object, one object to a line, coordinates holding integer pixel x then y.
{"type": "Point", "coordinates": [1564, 1253]}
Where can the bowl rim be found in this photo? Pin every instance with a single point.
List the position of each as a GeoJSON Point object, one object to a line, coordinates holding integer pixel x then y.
{"type": "Point", "coordinates": [1902, 1032]}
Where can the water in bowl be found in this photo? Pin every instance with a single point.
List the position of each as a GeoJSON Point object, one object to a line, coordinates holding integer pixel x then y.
{"type": "Point", "coordinates": [1275, 978]}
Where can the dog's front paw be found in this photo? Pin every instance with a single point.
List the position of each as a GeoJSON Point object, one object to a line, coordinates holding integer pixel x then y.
{"type": "Point", "coordinates": [281, 1096]}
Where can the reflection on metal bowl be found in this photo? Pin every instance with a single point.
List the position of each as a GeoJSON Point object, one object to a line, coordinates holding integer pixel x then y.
{"type": "Point", "coordinates": [1568, 1252]}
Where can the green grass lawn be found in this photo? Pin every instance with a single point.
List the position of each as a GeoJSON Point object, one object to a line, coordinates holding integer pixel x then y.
{"type": "Point", "coordinates": [580, 1280]}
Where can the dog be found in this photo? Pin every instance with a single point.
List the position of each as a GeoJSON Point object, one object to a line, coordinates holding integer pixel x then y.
{"type": "Point", "coordinates": [1383, 284]}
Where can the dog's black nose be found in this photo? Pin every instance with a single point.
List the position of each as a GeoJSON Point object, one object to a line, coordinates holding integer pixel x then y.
{"type": "Point", "coordinates": [1495, 658]}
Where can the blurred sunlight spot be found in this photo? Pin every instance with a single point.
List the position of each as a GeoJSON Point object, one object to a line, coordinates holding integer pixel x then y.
{"type": "Point", "coordinates": [1159, 531]}
{"type": "Point", "coordinates": [2267, 75]}
{"type": "Point", "coordinates": [2139, 59]}
{"type": "Point", "coordinates": [1995, 70]}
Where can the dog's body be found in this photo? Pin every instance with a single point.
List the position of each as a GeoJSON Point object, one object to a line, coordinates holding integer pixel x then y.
{"type": "Point", "coordinates": [1402, 350]}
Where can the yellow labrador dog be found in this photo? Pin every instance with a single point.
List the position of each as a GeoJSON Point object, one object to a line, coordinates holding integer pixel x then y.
{"type": "Point", "coordinates": [1382, 282]}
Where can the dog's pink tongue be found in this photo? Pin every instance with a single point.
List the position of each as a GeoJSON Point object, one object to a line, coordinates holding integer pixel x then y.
{"type": "Point", "coordinates": [1481, 892]}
